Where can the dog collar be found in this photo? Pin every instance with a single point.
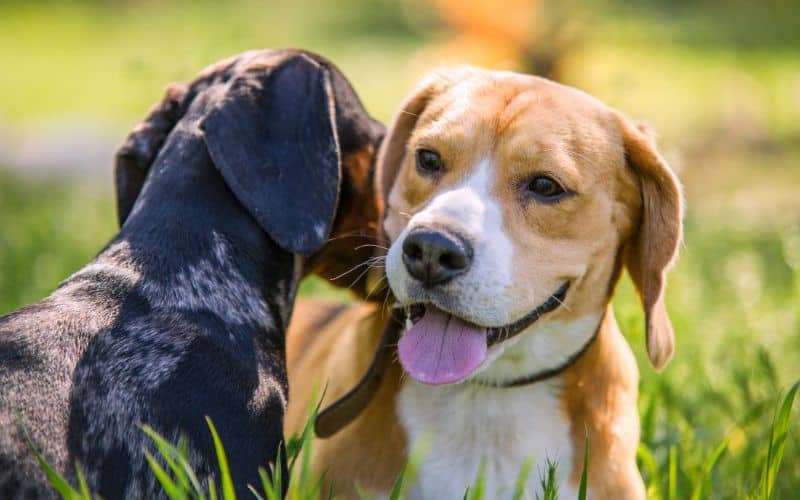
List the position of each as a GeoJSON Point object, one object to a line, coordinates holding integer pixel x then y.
{"type": "Point", "coordinates": [539, 376]}
{"type": "Point", "coordinates": [345, 409]}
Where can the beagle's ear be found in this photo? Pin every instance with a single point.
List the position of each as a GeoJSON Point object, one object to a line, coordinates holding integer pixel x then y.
{"type": "Point", "coordinates": [133, 159]}
{"type": "Point", "coordinates": [393, 148]}
{"type": "Point", "coordinates": [654, 245]}
{"type": "Point", "coordinates": [273, 138]}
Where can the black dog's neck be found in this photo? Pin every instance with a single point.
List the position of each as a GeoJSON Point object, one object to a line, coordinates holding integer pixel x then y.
{"type": "Point", "coordinates": [190, 239]}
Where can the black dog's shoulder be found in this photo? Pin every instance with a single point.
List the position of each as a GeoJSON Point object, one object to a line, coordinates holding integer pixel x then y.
{"type": "Point", "coordinates": [170, 369]}
{"type": "Point", "coordinates": [40, 345]}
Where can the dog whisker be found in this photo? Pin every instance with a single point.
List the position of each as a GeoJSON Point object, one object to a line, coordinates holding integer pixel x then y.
{"type": "Point", "coordinates": [358, 278]}
{"type": "Point", "coordinates": [359, 247]}
{"type": "Point", "coordinates": [562, 304]}
{"type": "Point", "coordinates": [357, 266]}
{"type": "Point", "coordinates": [355, 234]}
{"type": "Point", "coordinates": [377, 288]}
{"type": "Point", "coordinates": [385, 306]}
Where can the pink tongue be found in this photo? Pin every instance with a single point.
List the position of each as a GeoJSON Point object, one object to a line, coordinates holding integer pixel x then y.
{"type": "Point", "coordinates": [442, 349]}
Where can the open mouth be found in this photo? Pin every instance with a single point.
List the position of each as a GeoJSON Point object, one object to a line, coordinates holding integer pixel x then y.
{"type": "Point", "coordinates": [443, 349]}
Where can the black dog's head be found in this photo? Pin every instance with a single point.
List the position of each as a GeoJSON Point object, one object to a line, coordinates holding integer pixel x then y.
{"type": "Point", "coordinates": [291, 140]}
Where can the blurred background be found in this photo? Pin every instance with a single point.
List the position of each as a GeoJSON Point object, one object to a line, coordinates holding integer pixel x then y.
{"type": "Point", "coordinates": [719, 80]}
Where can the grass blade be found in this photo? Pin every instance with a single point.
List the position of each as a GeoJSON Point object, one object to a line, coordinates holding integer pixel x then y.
{"type": "Point", "coordinates": [778, 435]}
{"type": "Point", "coordinates": [255, 492]}
{"type": "Point", "coordinates": [479, 486]}
{"type": "Point", "coordinates": [212, 489]}
{"type": "Point", "coordinates": [583, 486]}
{"type": "Point", "coordinates": [271, 486]}
{"type": "Point", "coordinates": [82, 484]}
{"type": "Point", "coordinates": [648, 461]}
{"type": "Point", "coordinates": [548, 482]}
{"type": "Point", "coordinates": [228, 493]}
{"type": "Point", "coordinates": [182, 457]}
{"type": "Point", "coordinates": [522, 479]}
{"type": "Point", "coordinates": [672, 478]}
{"type": "Point", "coordinates": [273, 482]}
{"type": "Point", "coordinates": [170, 454]}
{"type": "Point", "coordinates": [58, 482]}
{"type": "Point", "coordinates": [330, 491]}
{"type": "Point", "coordinates": [398, 484]}
{"type": "Point", "coordinates": [171, 488]}
{"type": "Point", "coordinates": [707, 467]}
{"type": "Point", "coordinates": [412, 466]}
{"type": "Point", "coordinates": [362, 495]}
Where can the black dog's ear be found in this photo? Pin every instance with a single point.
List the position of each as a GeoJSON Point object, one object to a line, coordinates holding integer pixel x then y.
{"type": "Point", "coordinates": [133, 159]}
{"type": "Point", "coordinates": [273, 139]}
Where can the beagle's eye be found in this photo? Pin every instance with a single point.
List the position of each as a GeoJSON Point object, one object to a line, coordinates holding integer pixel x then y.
{"type": "Point", "coordinates": [429, 162]}
{"type": "Point", "coordinates": [545, 188]}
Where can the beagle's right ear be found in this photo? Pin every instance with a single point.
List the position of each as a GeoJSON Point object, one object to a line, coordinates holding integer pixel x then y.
{"type": "Point", "coordinates": [393, 148]}
{"type": "Point", "coordinates": [133, 159]}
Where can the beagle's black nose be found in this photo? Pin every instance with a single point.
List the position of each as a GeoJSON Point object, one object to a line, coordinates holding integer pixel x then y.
{"type": "Point", "coordinates": [435, 257]}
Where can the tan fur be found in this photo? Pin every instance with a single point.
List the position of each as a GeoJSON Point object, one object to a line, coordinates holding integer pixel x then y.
{"type": "Point", "coordinates": [332, 357]}
{"type": "Point", "coordinates": [600, 392]}
{"type": "Point", "coordinates": [355, 231]}
{"type": "Point", "coordinates": [626, 211]}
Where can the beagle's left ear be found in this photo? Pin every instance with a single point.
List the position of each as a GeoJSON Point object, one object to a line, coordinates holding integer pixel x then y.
{"type": "Point", "coordinates": [654, 246]}
{"type": "Point", "coordinates": [273, 138]}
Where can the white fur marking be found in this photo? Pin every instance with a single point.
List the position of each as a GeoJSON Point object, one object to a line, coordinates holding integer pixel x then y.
{"type": "Point", "coordinates": [471, 211]}
{"type": "Point", "coordinates": [501, 428]}
{"type": "Point", "coordinates": [543, 346]}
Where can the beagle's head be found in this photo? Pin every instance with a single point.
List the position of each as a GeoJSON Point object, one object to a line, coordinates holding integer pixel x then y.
{"type": "Point", "coordinates": [512, 204]}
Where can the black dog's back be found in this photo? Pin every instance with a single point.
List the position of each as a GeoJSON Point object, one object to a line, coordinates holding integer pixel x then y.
{"type": "Point", "coordinates": [89, 364]}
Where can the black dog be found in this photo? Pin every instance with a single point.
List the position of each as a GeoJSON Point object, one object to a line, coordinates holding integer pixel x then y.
{"type": "Point", "coordinates": [225, 189]}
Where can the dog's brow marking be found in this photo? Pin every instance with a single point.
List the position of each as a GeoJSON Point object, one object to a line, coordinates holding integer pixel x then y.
{"type": "Point", "coordinates": [503, 122]}
{"type": "Point", "coordinates": [571, 153]}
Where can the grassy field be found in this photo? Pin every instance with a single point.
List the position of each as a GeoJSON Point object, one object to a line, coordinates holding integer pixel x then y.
{"type": "Point", "coordinates": [728, 113]}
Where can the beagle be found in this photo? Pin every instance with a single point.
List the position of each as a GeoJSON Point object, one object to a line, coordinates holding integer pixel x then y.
{"type": "Point", "coordinates": [512, 205]}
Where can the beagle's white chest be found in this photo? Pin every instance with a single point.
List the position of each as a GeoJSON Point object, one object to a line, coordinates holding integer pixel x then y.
{"type": "Point", "coordinates": [466, 428]}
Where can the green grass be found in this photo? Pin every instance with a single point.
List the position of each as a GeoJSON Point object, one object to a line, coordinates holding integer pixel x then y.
{"type": "Point", "coordinates": [50, 229]}
{"type": "Point", "coordinates": [179, 481]}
